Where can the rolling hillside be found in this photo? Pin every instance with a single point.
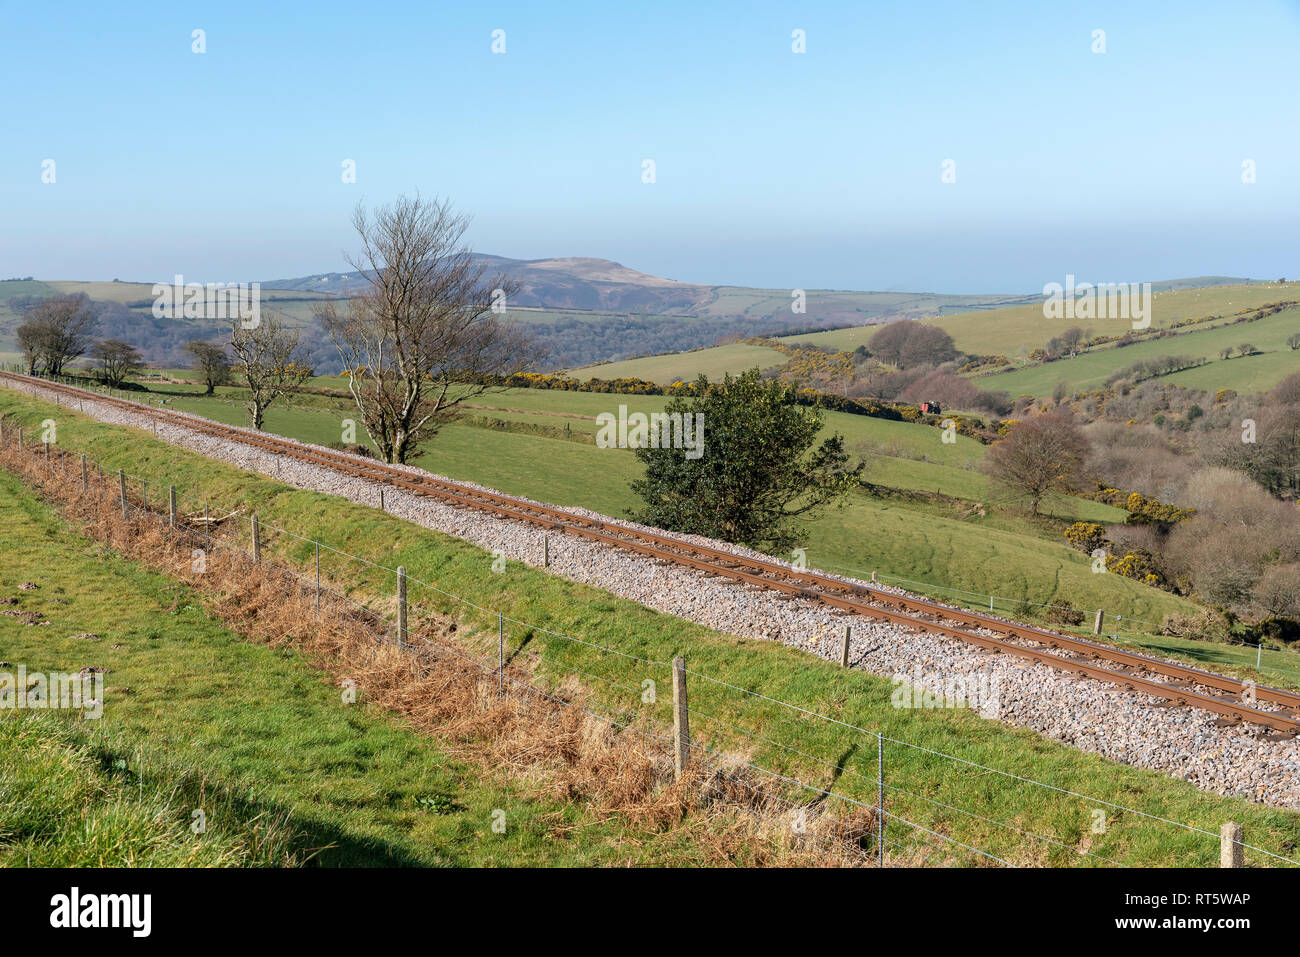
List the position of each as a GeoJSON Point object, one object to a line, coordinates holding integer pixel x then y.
{"type": "Point", "coordinates": [1249, 373]}
{"type": "Point", "coordinates": [587, 311]}
{"type": "Point", "coordinates": [1017, 330]}
{"type": "Point", "coordinates": [687, 366]}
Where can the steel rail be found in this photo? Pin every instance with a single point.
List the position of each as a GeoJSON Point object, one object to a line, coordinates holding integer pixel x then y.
{"type": "Point", "coordinates": [850, 597]}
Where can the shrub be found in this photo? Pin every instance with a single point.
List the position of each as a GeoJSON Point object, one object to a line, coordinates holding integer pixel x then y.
{"type": "Point", "coordinates": [1064, 613]}
{"type": "Point", "coordinates": [1086, 536]}
{"type": "Point", "coordinates": [1139, 565]}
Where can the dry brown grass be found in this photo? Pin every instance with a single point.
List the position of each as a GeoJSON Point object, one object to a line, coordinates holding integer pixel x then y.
{"type": "Point", "coordinates": [719, 812]}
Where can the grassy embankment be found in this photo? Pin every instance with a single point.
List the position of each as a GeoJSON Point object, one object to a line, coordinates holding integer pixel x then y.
{"type": "Point", "coordinates": [829, 755]}
{"type": "Point", "coordinates": [257, 739]}
{"type": "Point", "coordinates": [941, 539]}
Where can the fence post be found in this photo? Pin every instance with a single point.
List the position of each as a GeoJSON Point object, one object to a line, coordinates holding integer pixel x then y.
{"type": "Point", "coordinates": [84, 481]}
{"type": "Point", "coordinates": [381, 499]}
{"type": "Point", "coordinates": [681, 719]}
{"type": "Point", "coordinates": [880, 799]}
{"type": "Point", "coordinates": [401, 605]}
{"type": "Point", "coordinates": [317, 544]}
{"type": "Point", "coordinates": [121, 484]}
{"type": "Point", "coordinates": [100, 468]}
{"type": "Point", "coordinates": [501, 655]}
{"type": "Point", "coordinates": [171, 506]}
{"type": "Point", "coordinates": [1096, 625]}
{"type": "Point", "coordinates": [1259, 654]}
{"type": "Point", "coordinates": [1231, 851]}
{"type": "Point", "coordinates": [546, 551]}
{"type": "Point", "coordinates": [844, 651]}
{"type": "Point", "coordinates": [20, 439]}
{"type": "Point", "coordinates": [873, 579]}
{"type": "Point", "coordinates": [47, 455]}
{"type": "Point", "coordinates": [207, 529]}
{"type": "Point", "coordinates": [257, 541]}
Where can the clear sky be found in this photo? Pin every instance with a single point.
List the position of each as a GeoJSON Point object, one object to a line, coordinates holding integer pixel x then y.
{"type": "Point", "coordinates": [773, 168]}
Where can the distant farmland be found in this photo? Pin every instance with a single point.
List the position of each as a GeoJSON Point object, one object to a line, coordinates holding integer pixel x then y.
{"type": "Point", "coordinates": [686, 366]}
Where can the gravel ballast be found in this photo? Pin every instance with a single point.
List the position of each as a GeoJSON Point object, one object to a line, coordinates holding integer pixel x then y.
{"type": "Point", "coordinates": [1120, 725]}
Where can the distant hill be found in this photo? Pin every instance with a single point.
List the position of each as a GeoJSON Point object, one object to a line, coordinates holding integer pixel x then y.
{"type": "Point", "coordinates": [597, 285]}
{"type": "Point", "coordinates": [584, 310]}
{"type": "Point", "coordinates": [584, 284]}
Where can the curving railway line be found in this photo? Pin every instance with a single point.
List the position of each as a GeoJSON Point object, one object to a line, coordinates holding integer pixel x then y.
{"type": "Point", "coordinates": [1230, 698]}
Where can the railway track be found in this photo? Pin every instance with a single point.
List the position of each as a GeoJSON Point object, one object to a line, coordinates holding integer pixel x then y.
{"type": "Point", "coordinates": [1230, 698]}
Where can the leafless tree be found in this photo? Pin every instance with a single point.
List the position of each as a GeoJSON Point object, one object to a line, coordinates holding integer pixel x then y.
{"type": "Point", "coordinates": [909, 343]}
{"type": "Point", "coordinates": [1039, 455]}
{"type": "Point", "coordinates": [56, 331]}
{"type": "Point", "coordinates": [269, 361]}
{"type": "Point", "coordinates": [425, 335]}
{"type": "Point", "coordinates": [1277, 594]}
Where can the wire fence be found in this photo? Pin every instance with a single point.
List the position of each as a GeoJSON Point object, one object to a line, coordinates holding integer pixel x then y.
{"type": "Point", "coordinates": [933, 806]}
{"type": "Point", "coordinates": [1281, 659]}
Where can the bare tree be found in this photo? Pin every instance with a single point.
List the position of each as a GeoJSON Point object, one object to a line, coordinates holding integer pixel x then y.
{"type": "Point", "coordinates": [1039, 455]}
{"type": "Point", "coordinates": [210, 362]}
{"type": "Point", "coordinates": [117, 360]}
{"type": "Point", "coordinates": [30, 340]}
{"type": "Point", "coordinates": [269, 361]}
{"type": "Point", "coordinates": [910, 343]}
{"type": "Point", "coordinates": [1277, 593]}
{"type": "Point", "coordinates": [56, 331]}
{"type": "Point", "coordinates": [424, 336]}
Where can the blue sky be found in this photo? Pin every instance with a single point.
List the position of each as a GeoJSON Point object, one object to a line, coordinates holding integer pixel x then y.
{"type": "Point", "coordinates": [777, 169]}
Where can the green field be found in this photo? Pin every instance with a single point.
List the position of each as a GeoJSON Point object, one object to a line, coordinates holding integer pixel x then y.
{"type": "Point", "coordinates": [941, 544]}
{"type": "Point", "coordinates": [713, 362]}
{"type": "Point", "coordinates": [1009, 331]}
{"type": "Point", "coordinates": [1253, 373]}
{"type": "Point", "coordinates": [1018, 330]}
{"type": "Point", "coordinates": [254, 736]}
{"type": "Point", "coordinates": [1014, 819]}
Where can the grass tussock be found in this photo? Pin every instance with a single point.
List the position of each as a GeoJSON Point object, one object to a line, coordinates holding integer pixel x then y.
{"type": "Point", "coordinates": [64, 803]}
{"type": "Point", "coordinates": [544, 738]}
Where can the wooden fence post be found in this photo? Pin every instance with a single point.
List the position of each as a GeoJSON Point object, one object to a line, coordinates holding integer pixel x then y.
{"type": "Point", "coordinates": [121, 484]}
{"type": "Point", "coordinates": [546, 551]}
{"type": "Point", "coordinates": [681, 719]}
{"type": "Point", "coordinates": [1096, 625]}
{"type": "Point", "coordinates": [85, 481]}
{"type": "Point", "coordinates": [317, 544]}
{"type": "Point", "coordinates": [844, 651]}
{"type": "Point", "coordinates": [257, 541]}
{"type": "Point", "coordinates": [501, 654]}
{"type": "Point", "coordinates": [401, 604]}
{"type": "Point", "coordinates": [1232, 853]}
{"type": "Point", "coordinates": [171, 505]}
